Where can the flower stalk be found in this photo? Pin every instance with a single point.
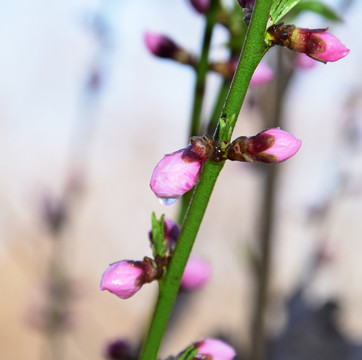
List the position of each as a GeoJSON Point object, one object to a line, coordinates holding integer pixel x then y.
{"type": "Point", "coordinates": [253, 50]}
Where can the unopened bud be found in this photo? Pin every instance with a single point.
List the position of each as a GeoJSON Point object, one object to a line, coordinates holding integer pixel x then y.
{"type": "Point", "coordinates": [215, 349]}
{"type": "Point", "coordinates": [316, 43]}
{"type": "Point", "coordinates": [269, 146]}
{"type": "Point", "coordinates": [196, 274]}
{"type": "Point", "coordinates": [179, 172]}
{"type": "Point", "coordinates": [262, 74]}
{"type": "Point", "coordinates": [124, 278]}
{"type": "Point", "coordinates": [201, 6]}
{"type": "Point", "coordinates": [164, 47]}
{"type": "Point", "coordinates": [171, 232]}
{"type": "Point", "coordinates": [247, 6]}
{"type": "Point", "coordinates": [118, 350]}
{"type": "Point", "coordinates": [160, 45]}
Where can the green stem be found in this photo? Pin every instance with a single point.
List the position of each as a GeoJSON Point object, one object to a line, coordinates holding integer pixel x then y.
{"type": "Point", "coordinates": [201, 69]}
{"type": "Point", "coordinates": [253, 51]}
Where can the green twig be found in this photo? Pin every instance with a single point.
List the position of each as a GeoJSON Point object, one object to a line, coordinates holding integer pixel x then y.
{"type": "Point", "coordinates": [253, 51]}
{"type": "Point", "coordinates": [201, 69]}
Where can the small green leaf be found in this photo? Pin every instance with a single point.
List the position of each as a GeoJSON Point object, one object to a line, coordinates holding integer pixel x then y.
{"type": "Point", "coordinates": [318, 8]}
{"type": "Point", "coordinates": [158, 236]}
{"type": "Point", "coordinates": [279, 9]}
{"type": "Point", "coordinates": [188, 354]}
{"type": "Point", "coordinates": [226, 126]}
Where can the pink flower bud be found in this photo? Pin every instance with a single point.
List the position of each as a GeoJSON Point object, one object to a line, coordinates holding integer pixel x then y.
{"type": "Point", "coordinates": [160, 45]}
{"type": "Point", "coordinates": [118, 350]}
{"type": "Point", "coordinates": [201, 6]}
{"type": "Point", "coordinates": [173, 176]}
{"type": "Point", "coordinates": [269, 146]}
{"type": "Point", "coordinates": [316, 43]}
{"type": "Point", "coordinates": [178, 172]}
{"type": "Point", "coordinates": [124, 278]}
{"type": "Point", "coordinates": [215, 349]}
{"type": "Point", "coordinates": [249, 4]}
{"type": "Point", "coordinates": [171, 232]}
{"type": "Point", "coordinates": [196, 274]}
{"type": "Point", "coordinates": [262, 74]}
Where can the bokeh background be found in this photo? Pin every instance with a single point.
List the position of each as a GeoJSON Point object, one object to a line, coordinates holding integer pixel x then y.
{"type": "Point", "coordinates": [85, 110]}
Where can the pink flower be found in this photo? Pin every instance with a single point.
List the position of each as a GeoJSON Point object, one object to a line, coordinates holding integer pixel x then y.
{"type": "Point", "coordinates": [201, 6]}
{"type": "Point", "coordinates": [171, 232]}
{"type": "Point", "coordinates": [160, 45]}
{"type": "Point", "coordinates": [173, 176]}
{"type": "Point", "coordinates": [118, 349]}
{"type": "Point", "coordinates": [262, 74]}
{"type": "Point", "coordinates": [324, 47]}
{"type": "Point", "coordinates": [178, 172]}
{"type": "Point", "coordinates": [269, 146]}
{"type": "Point", "coordinates": [316, 43]}
{"type": "Point", "coordinates": [196, 274]}
{"type": "Point", "coordinates": [216, 349]}
{"type": "Point", "coordinates": [123, 278]}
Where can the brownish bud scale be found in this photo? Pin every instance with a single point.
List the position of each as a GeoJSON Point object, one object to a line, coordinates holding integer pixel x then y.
{"type": "Point", "coordinates": [201, 147]}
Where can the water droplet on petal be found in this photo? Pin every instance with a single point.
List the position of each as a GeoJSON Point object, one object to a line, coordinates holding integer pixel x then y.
{"type": "Point", "coordinates": [167, 201]}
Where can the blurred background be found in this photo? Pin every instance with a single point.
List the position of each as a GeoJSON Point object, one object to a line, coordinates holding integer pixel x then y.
{"type": "Point", "coordinates": [86, 113]}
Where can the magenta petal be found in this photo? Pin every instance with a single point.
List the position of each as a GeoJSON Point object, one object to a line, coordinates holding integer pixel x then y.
{"type": "Point", "coordinates": [262, 74]}
{"type": "Point", "coordinates": [196, 274]}
{"type": "Point", "coordinates": [173, 176]}
{"type": "Point", "coordinates": [121, 277]}
{"type": "Point", "coordinates": [217, 349]}
{"type": "Point", "coordinates": [334, 49]}
{"type": "Point", "coordinates": [285, 145]}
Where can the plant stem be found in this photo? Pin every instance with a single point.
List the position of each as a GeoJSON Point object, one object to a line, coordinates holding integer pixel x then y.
{"type": "Point", "coordinates": [253, 51]}
{"type": "Point", "coordinates": [201, 69]}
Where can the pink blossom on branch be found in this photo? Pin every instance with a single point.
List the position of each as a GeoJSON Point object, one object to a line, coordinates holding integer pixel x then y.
{"type": "Point", "coordinates": [269, 146]}
{"type": "Point", "coordinates": [201, 6]}
{"type": "Point", "coordinates": [173, 176]}
{"type": "Point", "coordinates": [215, 349]}
{"type": "Point", "coordinates": [177, 173]}
{"type": "Point", "coordinates": [196, 274]}
{"type": "Point", "coordinates": [262, 74]}
{"type": "Point", "coordinates": [319, 45]}
{"type": "Point", "coordinates": [124, 278]}
{"type": "Point", "coordinates": [160, 45]}
{"type": "Point", "coordinates": [316, 43]}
